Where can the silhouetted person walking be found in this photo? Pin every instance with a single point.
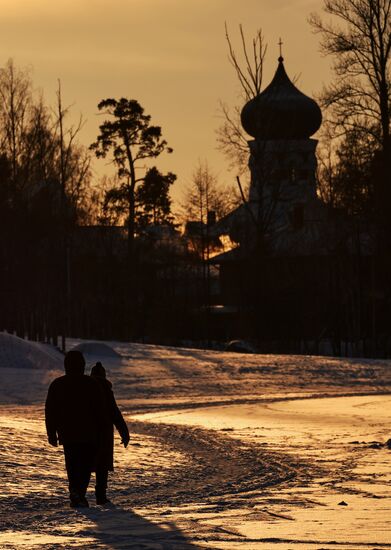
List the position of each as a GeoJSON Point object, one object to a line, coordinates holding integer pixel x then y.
{"type": "Point", "coordinates": [112, 417]}
{"type": "Point", "coordinates": [74, 413]}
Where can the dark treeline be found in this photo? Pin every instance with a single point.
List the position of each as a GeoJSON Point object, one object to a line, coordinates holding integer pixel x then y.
{"type": "Point", "coordinates": [83, 259]}
{"type": "Point", "coordinates": [337, 298]}
{"type": "Point", "coordinates": [44, 179]}
{"type": "Point", "coordinates": [109, 260]}
{"type": "Point", "coordinates": [355, 168]}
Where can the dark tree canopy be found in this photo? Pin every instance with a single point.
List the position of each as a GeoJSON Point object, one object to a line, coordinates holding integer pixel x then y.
{"type": "Point", "coordinates": [153, 200]}
{"type": "Point", "coordinates": [128, 137]}
{"type": "Point", "coordinates": [345, 181]}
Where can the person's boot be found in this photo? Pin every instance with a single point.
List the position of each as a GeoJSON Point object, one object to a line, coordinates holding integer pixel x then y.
{"type": "Point", "coordinates": [77, 500]}
{"type": "Point", "coordinates": [101, 487]}
{"type": "Point", "coordinates": [101, 497]}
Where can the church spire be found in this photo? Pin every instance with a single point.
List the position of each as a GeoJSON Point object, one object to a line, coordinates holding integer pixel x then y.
{"type": "Point", "coordinates": [280, 43]}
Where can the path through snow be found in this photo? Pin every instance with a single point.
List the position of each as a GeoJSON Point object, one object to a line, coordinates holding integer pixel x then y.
{"type": "Point", "coordinates": [228, 451]}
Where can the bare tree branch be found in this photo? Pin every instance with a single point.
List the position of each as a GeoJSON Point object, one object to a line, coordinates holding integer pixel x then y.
{"type": "Point", "coordinates": [231, 138]}
{"type": "Point", "coordinates": [360, 43]}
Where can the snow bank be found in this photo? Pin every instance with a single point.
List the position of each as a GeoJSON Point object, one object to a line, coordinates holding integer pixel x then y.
{"type": "Point", "coordinates": [96, 348]}
{"type": "Point", "coordinates": [21, 354]}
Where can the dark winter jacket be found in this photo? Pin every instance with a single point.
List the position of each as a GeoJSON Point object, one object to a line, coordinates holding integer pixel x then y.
{"type": "Point", "coordinates": [112, 417]}
{"type": "Point", "coordinates": [74, 409]}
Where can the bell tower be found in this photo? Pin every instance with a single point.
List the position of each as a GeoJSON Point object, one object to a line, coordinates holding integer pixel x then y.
{"type": "Point", "coordinates": [282, 161]}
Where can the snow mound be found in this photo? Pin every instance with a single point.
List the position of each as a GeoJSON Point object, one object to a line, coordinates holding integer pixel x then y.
{"type": "Point", "coordinates": [96, 348]}
{"type": "Point", "coordinates": [240, 346]}
{"type": "Point", "coordinates": [22, 354]}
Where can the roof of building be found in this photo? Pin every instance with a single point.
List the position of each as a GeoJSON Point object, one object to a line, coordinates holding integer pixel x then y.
{"type": "Point", "coordinates": [323, 233]}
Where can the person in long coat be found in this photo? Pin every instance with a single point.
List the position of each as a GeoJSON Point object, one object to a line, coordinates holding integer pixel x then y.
{"type": "Point", "coordinates": [75, 419]}
{"type": "Point", "coordinates": [112, 417]}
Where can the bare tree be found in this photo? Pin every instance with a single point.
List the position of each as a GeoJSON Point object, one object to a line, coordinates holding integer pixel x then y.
{"type": "Point", "coordinates": [344, 172]}
{"type": "Point", "coordinates": [248, 67]}
{"type": "Point", "coordinates": [360, 43]}
{"type": "Point", "coordinates": [41, 150]}
{"type": "Point", "coordinates": [106, 208]}
{"type": "Point", "coordinates": [41, 156]}
{"type": "Point", "coordinates": [250, 72]}
{"type": "Point", "coordinates": [73, 159]}
{"type": "Point", "coordinates": [15, 102]}
{"type": "Point", "coordinates": [358, 37]}
{"type": "Point", "coordinates": [326, 152]}
{"type": "Point", "coordinates": [231, 138]}
{"type": "Point", "coordinates": [206, 194]}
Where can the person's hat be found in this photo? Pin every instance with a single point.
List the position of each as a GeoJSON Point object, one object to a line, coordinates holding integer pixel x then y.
{"type": "Point", "coordinates": [98, 370]}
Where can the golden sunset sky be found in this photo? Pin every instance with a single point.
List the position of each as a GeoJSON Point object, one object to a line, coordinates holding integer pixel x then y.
{"type": "Point", "coordinates": [170, 55]}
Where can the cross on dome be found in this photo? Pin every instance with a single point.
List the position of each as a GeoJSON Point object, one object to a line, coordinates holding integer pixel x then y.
{"type": "Point", "coordinates": [280, 43]}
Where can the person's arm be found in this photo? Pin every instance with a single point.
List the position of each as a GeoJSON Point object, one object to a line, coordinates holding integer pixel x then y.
{"type": "Point", "coordinates": [50, 417]}
{"type": "Point", "coordinates": [118, 420]}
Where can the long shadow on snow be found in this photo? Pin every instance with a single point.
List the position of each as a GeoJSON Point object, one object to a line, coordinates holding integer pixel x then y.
{"type": "Point", "coordinates": [123, 529]}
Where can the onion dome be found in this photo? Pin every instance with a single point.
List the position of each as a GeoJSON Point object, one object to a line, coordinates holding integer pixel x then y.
{"type": "Point", "coordinates": [281, 111]}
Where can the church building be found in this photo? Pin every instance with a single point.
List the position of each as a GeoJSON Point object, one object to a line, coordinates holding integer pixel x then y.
{"type": "Point", "coordinates": [280, 272]}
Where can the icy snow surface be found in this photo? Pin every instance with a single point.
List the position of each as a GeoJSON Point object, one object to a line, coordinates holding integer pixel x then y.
{"type": "Point", "coordinates": [18, 353]}
{"type": "Point", "coordinates": [228, 451]}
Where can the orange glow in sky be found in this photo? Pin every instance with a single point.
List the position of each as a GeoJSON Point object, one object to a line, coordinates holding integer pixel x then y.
{"type": "Point", "coordinates": [170, 55]}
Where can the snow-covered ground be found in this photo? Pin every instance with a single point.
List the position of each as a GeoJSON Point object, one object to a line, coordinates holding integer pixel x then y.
{"type": "Point", "coordinates": [228, 451]}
